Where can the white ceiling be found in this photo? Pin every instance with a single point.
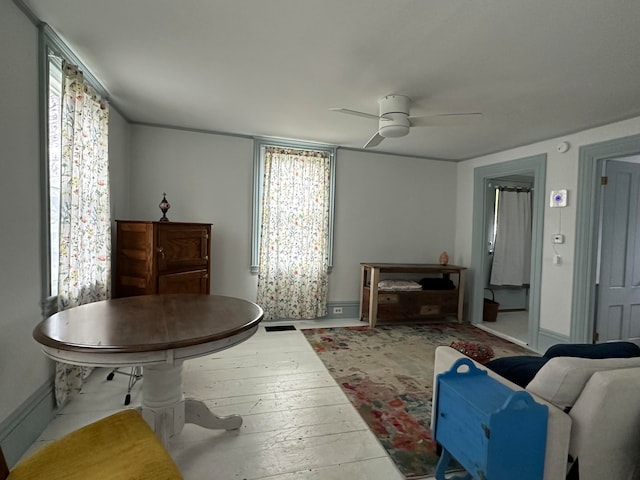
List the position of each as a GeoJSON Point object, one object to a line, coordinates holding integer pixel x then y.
{"type": "Point", "coordinates": [536, 69]}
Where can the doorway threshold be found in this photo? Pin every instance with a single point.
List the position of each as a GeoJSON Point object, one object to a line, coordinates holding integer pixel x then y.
{"type": "Point", "coordinates": [497, 333]}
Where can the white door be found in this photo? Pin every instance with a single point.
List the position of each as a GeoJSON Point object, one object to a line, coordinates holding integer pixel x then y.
{"type": "Point", "coordinates": [618, 310]}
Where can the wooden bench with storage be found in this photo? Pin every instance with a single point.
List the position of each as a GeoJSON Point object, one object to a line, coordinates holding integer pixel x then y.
{"type": "Point", "coordinates": [384, 305]}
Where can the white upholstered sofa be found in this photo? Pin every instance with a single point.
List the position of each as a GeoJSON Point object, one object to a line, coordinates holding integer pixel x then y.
{"type": "Point", "coordinates": [594, 414]}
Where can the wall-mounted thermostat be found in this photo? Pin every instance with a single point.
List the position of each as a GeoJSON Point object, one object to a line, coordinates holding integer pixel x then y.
{"type": "Point", "coordinates": [558, 198]}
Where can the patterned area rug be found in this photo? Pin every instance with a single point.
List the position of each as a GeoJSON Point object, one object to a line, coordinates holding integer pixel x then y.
{"type": "Point", "coordinates": [387, 373]}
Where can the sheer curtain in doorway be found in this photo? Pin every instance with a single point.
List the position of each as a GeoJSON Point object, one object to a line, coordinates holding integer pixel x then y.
{"type": "Point", "coordinates": [512, 254]}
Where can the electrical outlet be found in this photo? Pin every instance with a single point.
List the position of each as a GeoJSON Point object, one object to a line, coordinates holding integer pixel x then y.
{"type": "Point", "coordinates": [558, 238]}
{"type": "Point", "coordinates": [337, 310]}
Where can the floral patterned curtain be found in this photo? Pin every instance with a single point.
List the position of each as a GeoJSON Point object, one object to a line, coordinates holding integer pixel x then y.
{"type": "Point", "coordinates": [293, 264]}
{"type": "Point", "coordinates": [85, 217]}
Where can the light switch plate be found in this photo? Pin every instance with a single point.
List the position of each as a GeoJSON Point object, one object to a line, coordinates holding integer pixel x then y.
{"type": "Point", "coordinates": [558, 198]}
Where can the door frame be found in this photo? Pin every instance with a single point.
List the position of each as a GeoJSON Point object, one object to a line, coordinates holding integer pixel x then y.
{"type": "Point", "coordinates": [608, 208]}
{"type": "Point", "coordinates": [537, 166]}
{"type": "Point", "coordinates": [588, 198]}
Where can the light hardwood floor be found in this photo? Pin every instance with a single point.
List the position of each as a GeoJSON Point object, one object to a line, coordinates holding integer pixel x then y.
{"type": "Point", "coordinates": [513, 326]}
{"type": "Point", "coordinates": [298, 424]}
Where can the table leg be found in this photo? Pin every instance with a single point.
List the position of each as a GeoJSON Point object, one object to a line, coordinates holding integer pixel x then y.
{"type": "Point", "coordinates": [197, 412]}
{"type": "Point", "coordinates": [363, 283]}
{"type": "Point", "coordinates": [166, 410]}
{"type": "Point", "coordinates": [373, 296]}
{"type": "Point", "coordinates": [443, 463]}
{"type": "Point", "coordinates": [163, 400]}
{"type": "Point", "coordinates": [461, 283]}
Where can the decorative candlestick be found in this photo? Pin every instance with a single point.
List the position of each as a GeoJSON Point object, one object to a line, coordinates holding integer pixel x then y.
{"type": "Point", "coordinates": [164, 207]}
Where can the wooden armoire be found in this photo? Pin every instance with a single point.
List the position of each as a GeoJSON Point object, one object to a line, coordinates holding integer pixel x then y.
{"type": "Point", "coordinates": [162, 257]}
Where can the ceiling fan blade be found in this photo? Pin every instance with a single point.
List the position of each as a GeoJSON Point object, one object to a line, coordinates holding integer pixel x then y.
{"type": "Point", "coordinates": [374, 141]}
{"type": "Point", "coordinates": [444, 119]}
{"type": "Point", "coordinates": [354, 112]}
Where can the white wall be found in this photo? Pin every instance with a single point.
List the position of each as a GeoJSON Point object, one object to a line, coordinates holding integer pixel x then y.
{"type": "Point", "coordinates": [562, 172]}
{"type": "Point", "coordinates": [119, 165]}
{"type": "Point", "coordinates": [207, 178]}
{"type": "Point", "coordinates": [23, 367]}
{"type": "Point", "coordinates": [388, 208]}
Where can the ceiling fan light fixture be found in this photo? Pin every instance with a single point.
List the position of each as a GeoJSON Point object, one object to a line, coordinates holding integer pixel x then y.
{"type": "Point", "coordinates": [391, 131]}
{"type": "Point", "coordinates": [394, 118]}
{"type": "Point", "coordinates": [394, 104]}
{"type": "Point", "coordinates": [394, 125]}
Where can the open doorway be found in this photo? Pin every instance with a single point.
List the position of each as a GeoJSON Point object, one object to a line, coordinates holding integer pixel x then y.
{"type": "Point", "coordinates": [531, 170]}
{"type": "Point", "coordinates": [507, 271]}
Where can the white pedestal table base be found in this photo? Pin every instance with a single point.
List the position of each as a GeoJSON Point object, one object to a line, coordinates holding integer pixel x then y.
{"type": "Point", "coordinates": [166, 410]}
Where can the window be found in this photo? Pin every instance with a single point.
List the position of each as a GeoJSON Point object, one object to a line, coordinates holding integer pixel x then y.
{"type": "Point", "coordinates": [54, 150]}
{"type": "Point", "coordinates": [260, 147]}
{"type": "Point", "coordinates": [75, 191]}
{"type": "Point", "coordinates": [494, 220]}
{"type": "Point", "coordinates": [74, 150]}
{"type": "Point", "coordinates": [293, 219]}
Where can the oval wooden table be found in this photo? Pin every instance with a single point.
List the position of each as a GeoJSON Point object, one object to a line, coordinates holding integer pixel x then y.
{"type": "Point", "coordinates": [157, 332]}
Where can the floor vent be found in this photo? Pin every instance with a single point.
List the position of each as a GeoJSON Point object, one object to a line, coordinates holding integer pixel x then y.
{"type": "Point", "coordinates": [279, 328]}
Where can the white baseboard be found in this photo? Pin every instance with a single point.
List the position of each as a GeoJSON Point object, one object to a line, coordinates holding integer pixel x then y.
{"type": "Point", "coordinates": [23, 427]}
{"type": "Point", "coordinates": [344, 310]}
{"type": "Point", "coordinates": [548, 338]}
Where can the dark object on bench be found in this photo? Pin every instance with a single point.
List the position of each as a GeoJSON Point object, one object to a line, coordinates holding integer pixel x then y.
{"type": "Point", "coordinates": [521, 370]}
{"type": "Point", "coordinates": [437, 284]}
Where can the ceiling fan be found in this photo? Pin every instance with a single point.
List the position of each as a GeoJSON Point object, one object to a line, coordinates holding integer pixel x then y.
{"type": "Point", "coordinates": [394, 119]}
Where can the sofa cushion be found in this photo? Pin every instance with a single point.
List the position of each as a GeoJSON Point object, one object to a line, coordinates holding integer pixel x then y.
{"type": "Point", "coordinates": [561, 380]}
{"type": "Point", "coordinates": [598, 350]}
{"type": "Point", "coordinates": [519, 370]}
